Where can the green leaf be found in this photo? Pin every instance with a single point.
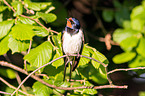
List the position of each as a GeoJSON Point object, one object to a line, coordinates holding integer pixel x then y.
{"type": "Point", "coordinates": [99, 78]}
{"type": "Point", "coordinates": [26, 21]}
{"type": "Point", "coordinates": [120, 34]}
{"type": "Point", "coordinates": [17, 45]}
{"type": "Point", "coordinates": [117, 4]}
{"type": "Point", "coordinates": [8, 73]}
{"type": "Point", "coordinates": [5, 27]}
{"type": "Point", "coordinates": [108, 15]}
{"type": "Point", "coordinates": [138, 12]}
{"type": "Point", "coordinates": [23, 32]}
{"type": "Point", "coordinates": [57, 41]}
{"type": "Point", "coordinates": [142, 93]}
{"type": "Point", "coordinates": [126, 24]}
{"type": "Point", "coordinates": [121, 15]}
{"type": "Point", "coordinates": [98, 56]}
{"type": "Point", "coordinates": [137, 24]}
{"type": "Point", "coordinates": [40, 55]}
{"type": "Point", "coordinates": [52, 71]}
{"type": "Point", "coordinates": [1, 17]}
{"type": "Point", "coordinates": [129, 43]}
{"type": "Point", "coordinates": [59, 62]}
{"type": "Point", "coordinates": [2, 8]}
{"type": "Point", "coordinates": [4, 45]}
{"type": "Point", "coordinates": [124, 57]}
{"type": "Point", "coordinates": [139, 61]}
{"type": "Point", "coordinates": [37, 6]}
{"type": "Point", "coordinates": [89, 91]}
{"type": "Point", "coordinates": [48, 18]}
{"type": "Point", "coordinates": [58, 79]}
{"type": "Point", "coordinates": [41, 90]}
{"type": "Point", "coordinates": [40, 31]}
{"type": "Point", "coordinates": [141, 47]}
{"type": "Point", "coordinates": [18, 7]}
{"type": "Point", "coordinates": [85, 52]}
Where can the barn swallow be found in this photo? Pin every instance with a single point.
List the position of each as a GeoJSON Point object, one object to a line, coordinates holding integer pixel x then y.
{"type": "Point", "coordinates": [72, 43]}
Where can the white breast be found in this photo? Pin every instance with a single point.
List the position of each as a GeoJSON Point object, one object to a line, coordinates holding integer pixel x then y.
{"type": "Point", "coordinates": [72, 44]}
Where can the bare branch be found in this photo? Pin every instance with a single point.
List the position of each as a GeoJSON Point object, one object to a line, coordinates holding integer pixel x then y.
{"type": "Point", "coordinates": [27, 53]}
{"type": "Point", "coordinates": [19, 82]}
{"type": "Point", "coordinates": [9, 6]}
{"type": "Point", "coordinates": [108, 78]}
{"type": "Point", "coordinates": [5, 93]}
{"type": "Point", "coordinates": [105, 65]}
{"type": "Point", "coordinates": [4, 81]}
{"type": "Point", "coordinates": [127, 69]}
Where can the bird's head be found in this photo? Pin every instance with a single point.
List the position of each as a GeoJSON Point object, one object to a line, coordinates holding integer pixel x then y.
{"type": "Point", "coordinates": [73, 23]}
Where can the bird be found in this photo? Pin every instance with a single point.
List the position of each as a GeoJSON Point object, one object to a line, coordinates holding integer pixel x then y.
{"type": "Point", "coordinates": [72, 43]}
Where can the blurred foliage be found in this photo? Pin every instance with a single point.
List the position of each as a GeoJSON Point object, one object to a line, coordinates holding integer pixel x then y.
{"type": "Point", "coordinates": [132, 39]}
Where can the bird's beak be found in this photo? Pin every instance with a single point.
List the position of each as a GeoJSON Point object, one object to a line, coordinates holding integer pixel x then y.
{"type": "Point", "coordinates": [69, 23]}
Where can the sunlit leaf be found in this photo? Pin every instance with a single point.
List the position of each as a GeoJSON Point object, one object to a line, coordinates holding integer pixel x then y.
{"type": "Point", "coordinates": [40, 55]}
{"type": "Point", "coordinates": [141, 47]}
{"type": "Point", "coordinates": [121, 34]}
{"type": "Point", "coordinates": [4, 45]}
{"type": "Point", "coordinates": [139, 61]}
{"type": "Point", "coordinates": [58, 79]}
{"type": "Point", "coordinates": [2, 8]}
{"type": "Point", "coordinates": [124, 57]}
{"type": "Point", "coordinates": [5, 27]}
{"type": "Point", "coordinates": [41, 90]}
{"type": "Point", "coordinates": [48, 18]}
{"type": "Point", "coordinates": [137, 24]}
{"type": "Point", "coordinates": [98, 56]}
{"type": "Point", "coordinates": [89, 91]}
{"type": "Point", "coordinates": [59, 62]}
{"type": "Point", "coordinates": [57, 41]}
{"type": "Point", "coordinates": [26, 20]}
{"type": "Point", "coordinates": [18, 7]}
{"type": "Point", "coordinates": [85, 52]}
{"type": "Point", "coordinates": [138, 12]}
{"type": "Point", "coordinates": [141, 93]}
{"type": "Point", "coordinates": [126, 24]}
{"type": "Point", "coordinates": [17, 45]}
{"type": "Point", "coordinates": [37, 6]}
{"type": "Point", "coordinates": [23, 32]}
{"type": "Point", "coordinates": [129, 43]}
{"type": "Point", "coordinates": [40, 31]}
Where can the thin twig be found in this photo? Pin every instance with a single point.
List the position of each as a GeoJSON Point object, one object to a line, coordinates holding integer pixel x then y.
{"type": "Point", "coordinates": [105, 65]}
{"type": "Point", "coordinates": [108, 78]}
{"type": "Point", "coordinates": [9, 6]}
{"type": "Point", "coordinates": [5, 93]}
{"type": "Point", "coordinates": [19, 82]}
{"type": "Point", "coordinates": [127, 69]}
{"type": "Point", "coordinates": [11, 86]}
{"type": "Point", "coordinates": [27, 53]}
{"type": "Point", "coordinates": [39, 23]}
{"type": "Point", "coordinates": [6, 57]}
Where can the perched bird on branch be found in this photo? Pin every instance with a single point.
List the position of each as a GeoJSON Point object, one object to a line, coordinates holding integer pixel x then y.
{"type": "Point", "coordinates": [72, 43]}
